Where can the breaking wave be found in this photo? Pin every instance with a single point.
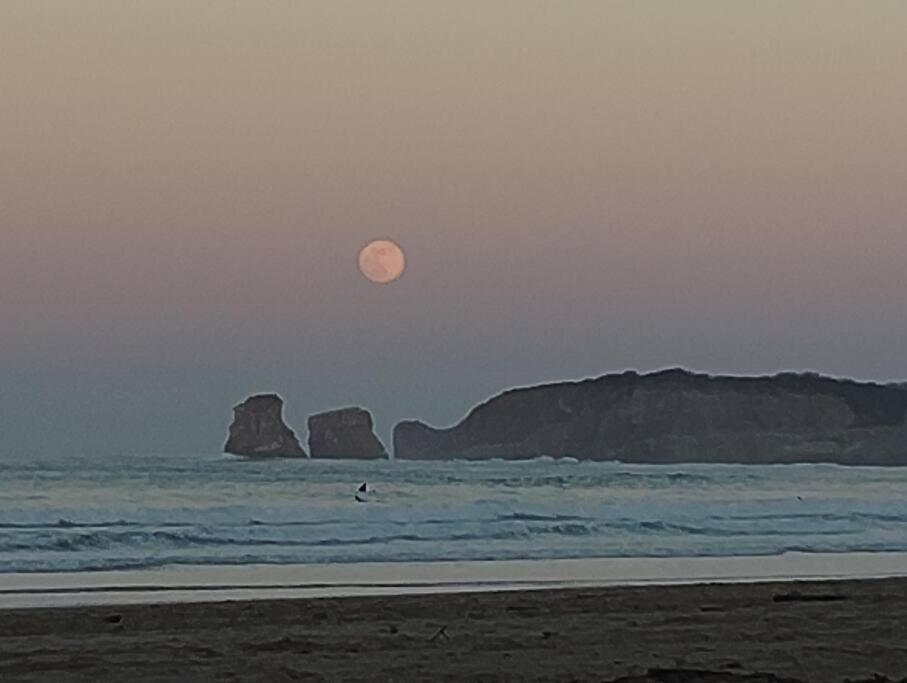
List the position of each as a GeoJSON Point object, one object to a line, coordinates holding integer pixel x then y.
{"type": "Point", "coordinates": [149, 513]}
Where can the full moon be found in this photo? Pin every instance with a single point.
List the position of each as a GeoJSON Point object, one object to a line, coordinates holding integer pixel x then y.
{"type": "Point", "coordinates": [382, 261]}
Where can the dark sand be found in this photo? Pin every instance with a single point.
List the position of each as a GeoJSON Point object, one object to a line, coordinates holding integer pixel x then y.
{"type": "Point", "coordinates": [847, 630]}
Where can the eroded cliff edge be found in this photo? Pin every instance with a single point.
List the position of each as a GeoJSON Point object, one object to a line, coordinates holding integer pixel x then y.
{"type": "Point", "coordinates": [679, 416]}
{"type": "Point", "coordinates": [258, 429]}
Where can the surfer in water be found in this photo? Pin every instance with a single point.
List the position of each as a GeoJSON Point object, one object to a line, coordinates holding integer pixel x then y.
{"type": "Point", "coordinates": [362, 493]}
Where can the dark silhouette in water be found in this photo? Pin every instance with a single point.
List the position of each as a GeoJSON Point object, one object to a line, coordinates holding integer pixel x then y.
{"type": "Point", "coordinates": [258, 430]}
{"type": "Point", "coordinates": [347, 433]}
{"type": "Point", "coordinates": [679, 416]}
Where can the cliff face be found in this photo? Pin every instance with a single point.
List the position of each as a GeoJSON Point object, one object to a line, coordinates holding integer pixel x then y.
{"type": "Point", "coordinates": [346, 433]}
{"type": "Point", "coordinates": [679, 416]}
{"type": "Point", "coordinates": [258, 429]}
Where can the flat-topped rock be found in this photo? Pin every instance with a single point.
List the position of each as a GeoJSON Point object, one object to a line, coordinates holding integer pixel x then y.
{"type": "Point", "coordinates": [347, 433]}
{"type": "Point", "coordinates": [258, 430]}
{"type": "Point", "coordinates": [679, 416]}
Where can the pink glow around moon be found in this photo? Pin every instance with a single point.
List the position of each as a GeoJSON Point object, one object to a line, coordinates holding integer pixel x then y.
{"type": "Point", "coordinates": [382, 261]}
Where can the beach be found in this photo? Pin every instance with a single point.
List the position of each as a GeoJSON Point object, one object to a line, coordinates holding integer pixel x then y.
{"type": "Point", "coordinates": [802, 631]}
{"type": "Point", "coordinates": [540, 570]}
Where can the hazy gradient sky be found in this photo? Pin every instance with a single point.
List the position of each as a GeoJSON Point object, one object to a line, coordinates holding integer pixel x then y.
{"type": "Point", "coordinates": [581, 187]}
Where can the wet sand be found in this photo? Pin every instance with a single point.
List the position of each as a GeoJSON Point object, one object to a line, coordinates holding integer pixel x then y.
{"type": "Point", "coordinates": [207, 583]}
{"type": "Point", "coordinates": [824, 631]}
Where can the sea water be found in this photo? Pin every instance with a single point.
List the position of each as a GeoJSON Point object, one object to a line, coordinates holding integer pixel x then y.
{"type": "Point", "coordinates": [70, 514]}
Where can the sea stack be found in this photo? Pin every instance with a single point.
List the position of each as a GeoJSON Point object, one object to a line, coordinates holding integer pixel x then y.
{"type": "Point", "coordinates": [347, 433]}
{"type": "Point", "coordinates": [258, 430]}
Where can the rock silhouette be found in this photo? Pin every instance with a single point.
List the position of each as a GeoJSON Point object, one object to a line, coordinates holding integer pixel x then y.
{"type": "Point", "coordinates": [345, 433]}
{"type": "Point", "coordinates": [259, 430]}
{"type": "Point", "coordinates": [679, 416]}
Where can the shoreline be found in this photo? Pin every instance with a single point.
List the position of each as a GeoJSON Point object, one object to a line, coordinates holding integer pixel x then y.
{"type": "Point", "coordinates": [797, 632]}
{"type": "Point", "coordinates": [200, 583]}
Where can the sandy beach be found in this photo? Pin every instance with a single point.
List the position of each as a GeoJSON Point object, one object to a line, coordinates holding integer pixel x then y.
{"type": "Point", "coordinates": [816, 631]}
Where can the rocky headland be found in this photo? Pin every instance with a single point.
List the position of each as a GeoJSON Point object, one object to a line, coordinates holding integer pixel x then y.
{"type": "Point", "coordinates": [679, 416]}
{"type": "Point", "coordinates": [258, 429]}
{"type": "Point", "coordinates": [346, 433]}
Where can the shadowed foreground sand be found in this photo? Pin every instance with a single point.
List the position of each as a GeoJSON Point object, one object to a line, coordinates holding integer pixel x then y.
{"type": "Point", "coordinates": [810, 631]}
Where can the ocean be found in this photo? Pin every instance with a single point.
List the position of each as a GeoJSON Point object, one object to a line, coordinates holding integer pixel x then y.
{"type": "Point", "coordinates": [71, 514]}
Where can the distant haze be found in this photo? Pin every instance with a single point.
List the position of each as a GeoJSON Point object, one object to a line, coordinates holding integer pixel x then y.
{"type": "Point", "coordinates": [580, 187]}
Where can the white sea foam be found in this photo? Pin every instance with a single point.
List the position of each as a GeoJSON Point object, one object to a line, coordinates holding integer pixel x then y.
{"type": "Point", "coordinates": [71, 515]}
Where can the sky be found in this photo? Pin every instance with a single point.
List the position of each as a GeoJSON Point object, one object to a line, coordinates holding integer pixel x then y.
{"type": "Point", "coordinates": [580, 187]}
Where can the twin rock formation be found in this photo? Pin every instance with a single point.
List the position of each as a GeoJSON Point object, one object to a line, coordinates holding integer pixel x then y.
{"type": "Point", "coordinates": [258, 429]}
{"type": "Point", "coordinates": [663, 417]}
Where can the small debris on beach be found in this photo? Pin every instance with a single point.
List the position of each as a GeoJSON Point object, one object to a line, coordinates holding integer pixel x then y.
{"type": "Point", "coordinates": [796, 596]}
{"type": "Point", "coordinates": [441, 633]}
{"type": "Point", "coordinates": [703, 676]}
